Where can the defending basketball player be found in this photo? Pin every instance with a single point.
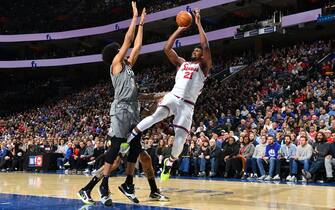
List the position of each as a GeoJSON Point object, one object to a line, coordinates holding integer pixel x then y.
{"type": "Point", "coordinates": [180, 101]}
{"type": "Point", "coordinates": [124, 113]}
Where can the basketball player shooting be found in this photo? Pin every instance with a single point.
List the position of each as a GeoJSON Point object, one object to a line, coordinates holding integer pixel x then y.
{"type": "Point", "coordinates": [180, 101]}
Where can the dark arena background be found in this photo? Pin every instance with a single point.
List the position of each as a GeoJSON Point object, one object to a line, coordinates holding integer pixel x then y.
{"type": "Point", "coordinates": [263, 128]}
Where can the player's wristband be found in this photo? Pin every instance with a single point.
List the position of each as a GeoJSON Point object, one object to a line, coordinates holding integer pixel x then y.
{"type": "Point", "coordinates": [141, 24]}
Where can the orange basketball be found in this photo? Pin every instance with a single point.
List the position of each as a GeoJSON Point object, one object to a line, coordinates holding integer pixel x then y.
{"type": "Point", "coordinates": [184, 19]}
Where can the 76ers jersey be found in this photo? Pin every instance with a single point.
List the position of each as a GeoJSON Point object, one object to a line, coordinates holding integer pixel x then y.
{"type": "Point", "coordinates": [189, 81]}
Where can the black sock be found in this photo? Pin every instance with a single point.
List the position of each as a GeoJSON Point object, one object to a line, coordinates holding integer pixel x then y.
{"type": "Point", "coordinates": [153, 185]}
{"type": "Point", "coordinates": [91, 184]}
{"type": "Point", "coordinates": [104, 182]}
{"type": "Point", "coordinates": [129, 180]}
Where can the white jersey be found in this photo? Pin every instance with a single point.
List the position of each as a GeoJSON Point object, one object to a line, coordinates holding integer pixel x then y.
{"type": "Point", "coordinates": [190, 80]}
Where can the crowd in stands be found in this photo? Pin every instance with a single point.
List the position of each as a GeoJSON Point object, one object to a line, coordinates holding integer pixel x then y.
{"type": "Point", "coordinates": [275, 119]}
{"type": "Point", "coordinates": [51, 16]}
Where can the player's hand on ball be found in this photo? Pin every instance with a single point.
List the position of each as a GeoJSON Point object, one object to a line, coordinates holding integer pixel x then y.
{"type": "Point", "coordinates": [143, 16]}
{"type": "Point", "coordinates": [183, 28]}
{"type": "Point", "coordinates": [135, 12]}
{"type": "Point", "coordinates": [196, 14]}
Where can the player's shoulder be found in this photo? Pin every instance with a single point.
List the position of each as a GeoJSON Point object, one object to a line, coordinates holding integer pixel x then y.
{"type": "Point", "coordinates": [118, 67]}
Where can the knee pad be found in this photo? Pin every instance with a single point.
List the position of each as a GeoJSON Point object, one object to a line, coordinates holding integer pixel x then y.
{"type": "Point", "coordinates": [134, 151]}
{"type": "Point", "coordinates": [114, 149]}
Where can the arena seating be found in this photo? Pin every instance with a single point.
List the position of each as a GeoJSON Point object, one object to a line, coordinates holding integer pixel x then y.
{"type": "Point", "coordinates": [283, 92]}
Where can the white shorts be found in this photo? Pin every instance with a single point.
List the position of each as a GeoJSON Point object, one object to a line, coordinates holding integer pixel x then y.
{"type": "Point", "coordinates": [182, 111]}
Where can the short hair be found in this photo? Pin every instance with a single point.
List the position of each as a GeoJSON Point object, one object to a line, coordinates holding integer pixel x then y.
{"type": "Point", "coordinates": [288, 136]}
{"type": "Point", "coordinates": [109, 52]}
{"type": "Point", "coordinates": [198, 46]}
{"type": "Point", "coordinates": [303, 137]}
{"type": "Point", "coordinates": [231, 138]}
{"type": "Point", "coordinates": [270, 136]}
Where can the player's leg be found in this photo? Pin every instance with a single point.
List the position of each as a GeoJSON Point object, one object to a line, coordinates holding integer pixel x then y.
{"type": "Point", "coordinates": [163, 111]}
{"type": "Point", "coordinates": [155, 194]}
{"type": "Point", "coordinates": [111, 155]}
{"type": "Point", "coordinates": [182, 124]}
{"type": "Point", "coordinates": [121, 121]}
{"type": "Point", "coordinates": [85, 192]}
{"type": "Point", "coordinates": [177, 148]}
{"type": "Point", "coordinates": [128, 188]}
{"type": "Point", "coordinates": [160, 114]}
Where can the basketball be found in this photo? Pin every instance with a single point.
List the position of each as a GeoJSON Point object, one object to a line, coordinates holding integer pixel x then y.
{"type": "Point", "coordinates": [184, 19]}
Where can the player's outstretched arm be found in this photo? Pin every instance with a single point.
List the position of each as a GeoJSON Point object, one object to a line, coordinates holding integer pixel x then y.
{"type": "Point", "coordinates": [138, 41]}
{"type": "Point", "coordinates": [203, 40]}
{"type": "Point", "coordinates": [169, 52]}
{"type": "Point", "coordinates": [128, 39]}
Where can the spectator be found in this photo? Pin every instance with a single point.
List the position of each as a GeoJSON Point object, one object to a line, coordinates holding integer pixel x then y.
{"type": "Point", "coordinates": [61, 149]}
{"type": "Point", "coordinates": [330, 162]}
{"type": "Point", "coordinates": [184, 165]}
{"type": "Point", "coordinates": [168, 148]}
{"type": "Point", "coordinates": [229, 152]}
{"type": "Point", "coordinates": [246, 152]}
{"type": "Point", "coordinates": [159, 152]}
{"type": "Point", "coordinates": [259, 153]}
{"type": "Point", "coordinates": [194, 155]}
{"type": "Point", "coordinates": [303, 156]}
{"type": "Point", "coordinates": [5, 158]}
{"type": "Point", "coordinates": [214, 152]}
{"type": "Point", "coordinates": [97, 152]}
{"type": "Point", "coordinates": [271, 157]}
{"type": "Point", "coordinates": [17, 159]}
{"type": "Point", "coordinates": [321, 150]}
{"type": "Point", "coordinates": [85, 158]}
{"type": "Point", "coordinates": [287, 155]}
{"type": "Point", "coordinates": [74, 158]}
{"type": "Point", "coordinates": [204, 157]}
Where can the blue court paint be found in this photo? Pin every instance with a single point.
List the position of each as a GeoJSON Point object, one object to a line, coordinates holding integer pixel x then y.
{"type": "Point", "coordinates": [28, 202]}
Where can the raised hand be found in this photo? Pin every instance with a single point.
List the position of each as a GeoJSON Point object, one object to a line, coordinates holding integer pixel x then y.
{"type": "Point", "coordinates": [183, 28]}
{"type": "Point", "coordinates": [143, 16]}
{"type": "Point", "coordinates": [135, 12]}
{"type": "Point", "coordinates": [196, 14]}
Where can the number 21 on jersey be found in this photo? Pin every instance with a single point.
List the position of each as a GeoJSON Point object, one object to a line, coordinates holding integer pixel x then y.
{"type": "Point", "coordinates": [188, 74]}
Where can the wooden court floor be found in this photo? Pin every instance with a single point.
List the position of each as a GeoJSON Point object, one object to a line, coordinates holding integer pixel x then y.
{"type": "Point", "coordinates": [184, 193]}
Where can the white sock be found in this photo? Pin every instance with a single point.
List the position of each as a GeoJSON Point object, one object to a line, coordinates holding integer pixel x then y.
{"type": "Point", "coordinates": [132, 135]}
{"type": "Point", "coordinates": [170, 162]}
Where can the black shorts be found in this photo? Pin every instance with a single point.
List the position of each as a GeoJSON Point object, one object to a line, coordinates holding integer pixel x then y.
{"type": "Point", "coordinates": [134, 151]}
